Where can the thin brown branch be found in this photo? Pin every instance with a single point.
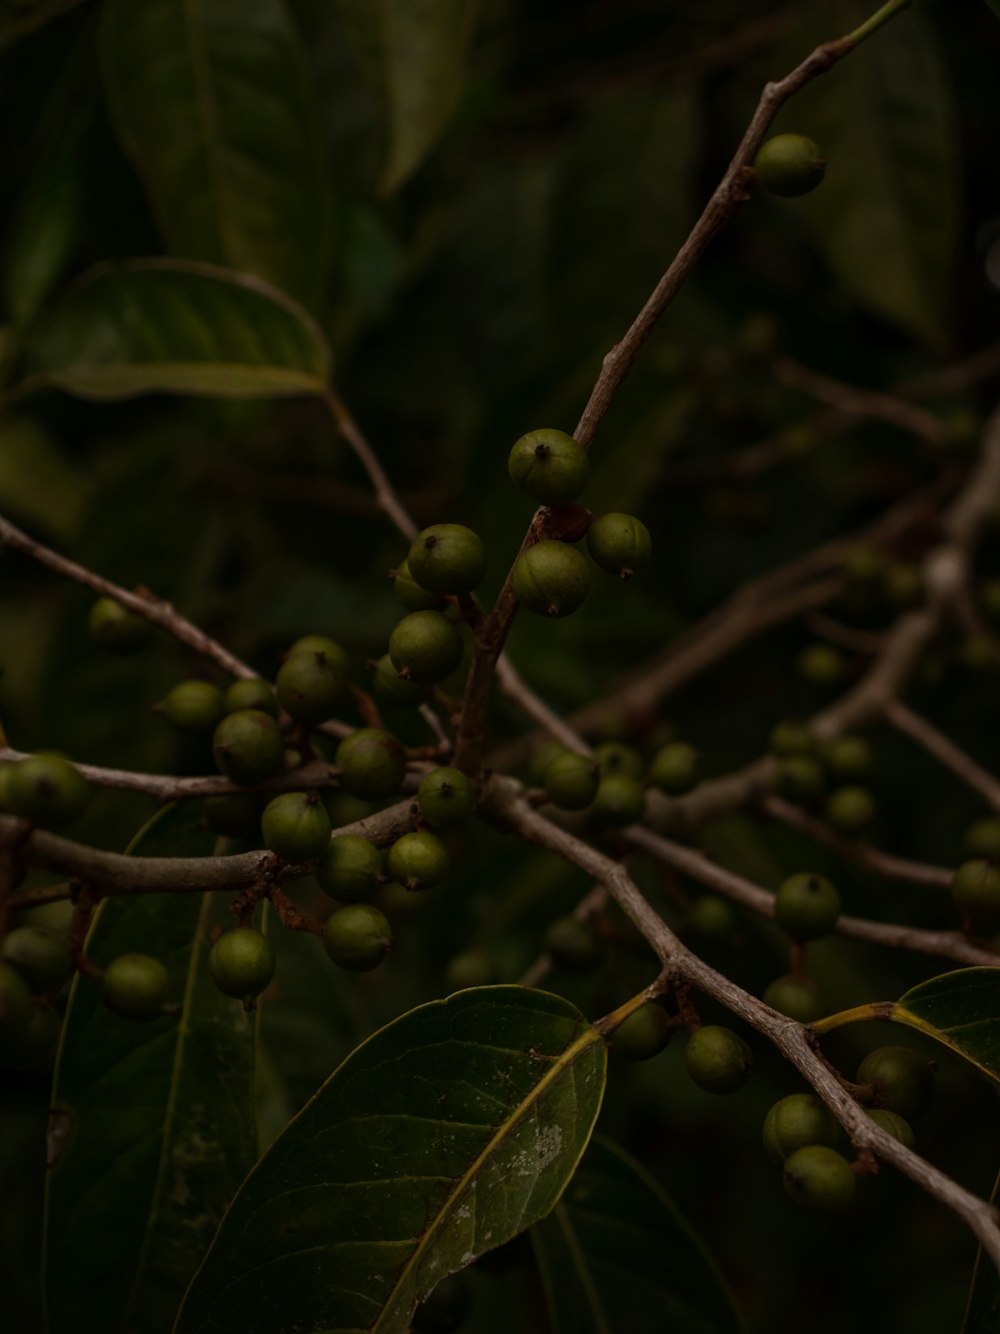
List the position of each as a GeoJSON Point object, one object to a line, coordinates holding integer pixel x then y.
{"type": "Point", "coordinates": [850, 401]}
{"type": "Point", "coordinates": [962, 765]}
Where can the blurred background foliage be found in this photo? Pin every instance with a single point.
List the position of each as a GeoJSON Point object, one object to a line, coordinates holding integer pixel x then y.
{"type": "Point", "coordinates": [474, 201]}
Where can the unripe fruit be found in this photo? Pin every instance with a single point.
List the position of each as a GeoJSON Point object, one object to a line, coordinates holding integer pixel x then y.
{"type": "Point", "coordinates": [395, 691]}
{"type": "Point", "coordinates": [310, 686]}
{"type": "Point", "coordinates": [717, 1059]}
{"type": "Point", "coordinates": [357, 937]}
{"type": "Point", "coordinates": [712, 917]}
{"type": "Point", "coordinates": [975, 888]}
{"type": "Point", "coordinates": [15, 1002]}
{"type": "Point", "coordinates": [135, 986]}
{"type": "Point", "coordinates": [425, 646]}
{"type": "Point", "coordinates": [42, 958]}
{"type": "Point", "coordinates": [903, 584]}
{"type": "Point", "coordinates": [418, 860]}
{"type": "Point", "coordinates": [248, 746]}
{"type": "Point", "coordinates": [571, 781]}
{"type": "Point", "coordinates": [551, 579]}
{"type": "Point", "coordinates": [792, 738]}
{"type": "Point", "coordinates": [619, 800]}
{"type": "Point", "coordinates": [619, 543]}
{"type": "Point", "coordinates": [821, 665]}
{"type": "Point", "coordinates": [549, 465]}
{"type": "Point", "coordinates": [903, 1080]}
{"type": "Point", "coordinates": [982, 838]}
{"type": "Point", "coordinates": [850, 809]}
{"type": "Point", "coordinates": [410, 594]}
{"type": "Point", "coordinates": [117, 630]}
{"type": "Point", "coordinates": [899, 1128]}
{"type": "Point", "coordinates": [819, 1178]}
{"type": "Point", "coordinates": [470, 968]}
{"type": "Point", "coordinates": [643, 1034]}
{"type": "Point", "coordinates": [445, 1308]}
{"type": "Point", "coordinates": [807, 906]}
{"type": "Point", "coordinates": [234, 814]}
{"type": "Point", "coordinates": [614, 757]}
{"type": "Point", "coordinates": [194, 706]}
{"type": "Point", "coordinates": [848, 756]}
{"type": "Point", "coordinates": [329, 648]}
{"type": "Point", "coordinates": [675, 768]}
{"type": "Point", "coordinates": [47, 790]}
{"type": "Point", "coordinates": [573, 945]}
{"type": "Point", "coordinates": [789, 165]}
{"type": "Point", "coordinates": [242, 963]}
{"type": "Point", "coordinates": [372, 763]}
{"type": "Point", "coordinates": [864, 564]}
{"type": "Point", "coordinates": [447, 558]}
{"type": "Point", "coordinates": [29, 1045]}
{"type": "Point", "coordinates": [796, 1121]}
{"type": "Point", "coordinates": [295, 825]}
{"type": "Point", "coordinates": [541, 758]}
{"type": "Point", "coordinates": [350, 868]}
{"type": "Point", "coordinates": [799, 998]}
{"type": "Point", "coordinates": [446, 798]}
{"type": "Point", "coordinates": [251, 693]}
{"type": "Point", "coordinates": [798, 777]}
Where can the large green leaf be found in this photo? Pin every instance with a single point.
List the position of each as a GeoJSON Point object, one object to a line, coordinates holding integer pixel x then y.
{"type": "Point", "coordinates": [960, 1010]}
{"type": "Point", "coordinates": [211, 101]}
{"type": "Point", "coordinates": [176, 327]}
{"type": "Point", "coordinates": [615, 1254]}
{"type": "Point", "coordinates": [982, 1315]}
{"type": "Point", "coordinates": [153, 1125]}
{"type": "Point", "coordinates": [414, 51]}
{"type": "Point", "coordinates": [445, 1134]}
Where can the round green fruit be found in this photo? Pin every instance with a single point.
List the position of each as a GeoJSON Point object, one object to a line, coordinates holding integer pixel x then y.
{"type": "Point", "coordinates": [295, 826]}
{"type": "Point", "coordinates": [848, 756]}
{"type": "Point", "coordinates": [234, 814]}
{"type": "Point", "coordinates": [327, 648]}
{"type": "Point", "coordinates": [372, 763]}
{"type": "Point", "coordinates": [903, 1080]}
{"type": "Point", "coordinates": [470, 968]}
{"type": "Point", "coordinates": [573, 945]}
{"type": "Point", "coordinates": [447, 558]}
{"type": "Point", "coordinates": [540, 759]}
{"type": "Point", "coordinates": [446, 798]}
{"type": "Point", "coordinates": [675, 768]}
{"type": "Point", "coordinates": [135, 986]}
{"type": "Point", "coordinates": [615, 757]}
{"type": "Point", "coordinates": [410, 594]}
{"type": "Point", "coordinates": [717, 1059]}
{"type": "Point", "coordinates": [31, 1044]}
{"type": "Point", "coordinates": [357, 937]}
{"type": "Point", "coordinates": [394, 691]}
{"type": "Point", "coordinates": [551, 579]}
{"type": "Point", "coordinates": [799, 998]}
{"type": "Point", "coordinates": [982, 838]}
{"type": "Point", "coordinates": [807, 906]}
{"type": "Point", "coordinates": [42, 958]}
{"type": "Point", "coordinates": [618, 801]}
{"type": "Point", "coordinates": [712, 917]}
{"type": "Point", "coordinates": [895, 1125]}
{"type": "Point", "coordinates": [242, 963]}
{"type": "Point", "coordinates": [619, 543]}
{"type": "Point", "coordinates": [350, 868]}
{"type": "Point", "coordinates": [47, 790]}
{"type": "Point", "coordinates": [821, 665]}
{"type": "Point", "coordinates": [571, 781]}
{"type": "Point", "coordinates": [850, 809]}
{"type": "Point", "coordinates": [549, 465]}
{"type": "Point", "coordinates": [798, 777]}
{"type": "Point", "coordinates": [194, 706]}
{"type": "Point", "coordinates": [789, 165]}
{"type": "Point", "coordinates": [903, 584]}
{"type": "Point", "coordinates": [796, 1121]}
{"type": "Point", "coordinates": [425, 647]}
{"type": "Point", "coordinates": [248, 746]}
{"type": "Point", "coordinates": [250, 693]}
{"type": "Point", "coordinates": [116, 629]}
{"type": "Point", "coordinates": [819, 1178]}
{"type": "Point", "coordinates": [310, 686]}
{"type": "Point", "coordinates": [644, 1033]}
{"type": "Point", "coordinates": [975, 889]}
{"type": "Point", "coordinates": [792, 738]}
{"type": "Point", "coordinates": [418, 860]}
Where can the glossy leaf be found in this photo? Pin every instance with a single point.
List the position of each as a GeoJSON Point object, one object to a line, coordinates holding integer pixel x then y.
{"type": "Point", "coordinates": [175, 327]}
{"type": "Point", "coordinates": [415, 53]}
{"type": "Point", "coordinates": [982, 1315]}
{"type": "Point", "coordinates": [444, 1135]}
{"type": "Point", "coordinates": [211, 102]}
{"type": "Point", "coordinates": [960, 1010]}
{"type": "Point", "coordinates": [38, 481]}
{"type": "Point", "coordinates": [43, 235]}
{"type": "Point", "coordinates": [138, 1184]}
{"type": "Point", "coordinates": [616, 1254]}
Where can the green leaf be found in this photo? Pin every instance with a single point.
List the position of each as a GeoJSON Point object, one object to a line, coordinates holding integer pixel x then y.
{"type": "Point", "coordinates": [138, 1183]}
{"type": "Point", "coordinates": [615, 1254]}
{"type": "Point", "coordinates": [37, 481]}
{"type": "Point", "coordinates": [995, 6]}
{"type": "Point", "coordinates": [212, 103]}
{"type": "Point", "coordinates": [44, 232]}
{"type": "Point", "coordinates": [172, 326]}
{"type": "Point", "coordinates": [444, 1135]}
{"type": "Point", "coordinates": [961, 1010]}
{"type": "Point", "coordinates": [982, 1316]}
{"type": "Point", "coordinates": [414, 51]}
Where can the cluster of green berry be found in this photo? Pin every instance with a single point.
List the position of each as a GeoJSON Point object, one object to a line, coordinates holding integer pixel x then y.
{"type": "Point", "coordinates": [814, 773]}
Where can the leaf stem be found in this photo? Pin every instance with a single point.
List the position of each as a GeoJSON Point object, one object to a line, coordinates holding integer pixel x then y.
{"type": "Point", "coordinates": [870, 25]}
{"type": "Point", "coordinates": [858, 1015]}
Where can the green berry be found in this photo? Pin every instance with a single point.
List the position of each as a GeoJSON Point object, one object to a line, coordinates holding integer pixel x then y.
{"type": "Point", "coordinates": [789, 165]}
{"type": "Point", "coordinates": [796, 1121]}
{"type": "Point", "coordinates": [717, 1059]}
{"type": "Point", "coordinates": [903, 584]}
{"type": "Point", "coordinates": [248, 746]}
{"type": "Point", "coordinates": [807, 906]}
{"type": "Point", "coordinates": [821, 665]}
{"type": "Point", "coordinates": [42, 958]}
{"type": "Point", "coordinates": [792, 738]}
{"type": "Point", "coordinates": [447, 558]}
{"type": "Point", "coordinates": [47, 790]}
{"type": "Point", "coordinates": [618, 801]}
{"type": "Point", "coordinates": [30, 1045]}
{"type": "Point", "coordinates": [394, 691]}
{"type": "Point", "coordinates": [357, 937]}
{"type": "Point", "coordinates": [819, 1178]}
{"type": "Point", "coordinates": [372, 763]}
{"type": "Point", "coordinates": [445, 1308]}
{"type": "Point", "coordinates": [864, 564]}
{"type": "Point", "coordinates": [425, 647]}
{"type": "Point", "coordinates": [573, 945]}
{"type": "Point", "coordinates": [234, 814]}
{"type": "Point", "coordinates": [903, 1080]}
{"type": "Point", "coordinates": [250, 693]}
{"type": "Point", "coordinates": [850, 809]}
{"type": "Point", "coordinates": [675, 768]}
{"type": "Point", "coordinates": [551, 579]}
{"type": "Point", "coordinates": [310, 686]}
{"type": "Point", "coordinates": [470, 968]}
{"type": "Point", "coordinates": [15, 1003]}
{"type": "Point", "coordinates": [117, 630]}
{"type": "Point", "coordinates": [409, 592]}
{"type": "Point", "coordinates": [350, 869]}
{"type": "Point", "coordinates": [614, 757]}
{"type": "Point", "coordinates": [895, 1125]}
{"type": "Point", "coordinates": [571, 781]}
{"type": "Point", "coordinates": [982, 838]}
{"type": "Point", "coordinates": [712, 917]}
{"type": "Point", "coordinates": [194, 706]}
{"type": "Point", "coordinates": [975, 889]}
{"type": "Point", "coordinates": [328, 648]}
{"type": "Point", "coordinates": [799, 998]}
{"type": "Point", "coordinates": [296, 826]}
{"type": "Point", "coordinates": [549, 465]}
{"type": "Point", "coordinates": [848, 756]}
{"type": "Point", "coordinates": [644, 1033]}
{"type": "Point", "coordinates": [418, 860]}
{"type": "Point", "coordinates": [619, 543]}
{"type": "Point", "coordinates": [242, 963]}
{"type": "Point", "coordinates": [798, 777]}
{"type": "Point", "coordinates": [446, 798]}
{"type": "Point", "coordinates": [537, 766]}
{"type": "Point", "coordinates": [135, 986]}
